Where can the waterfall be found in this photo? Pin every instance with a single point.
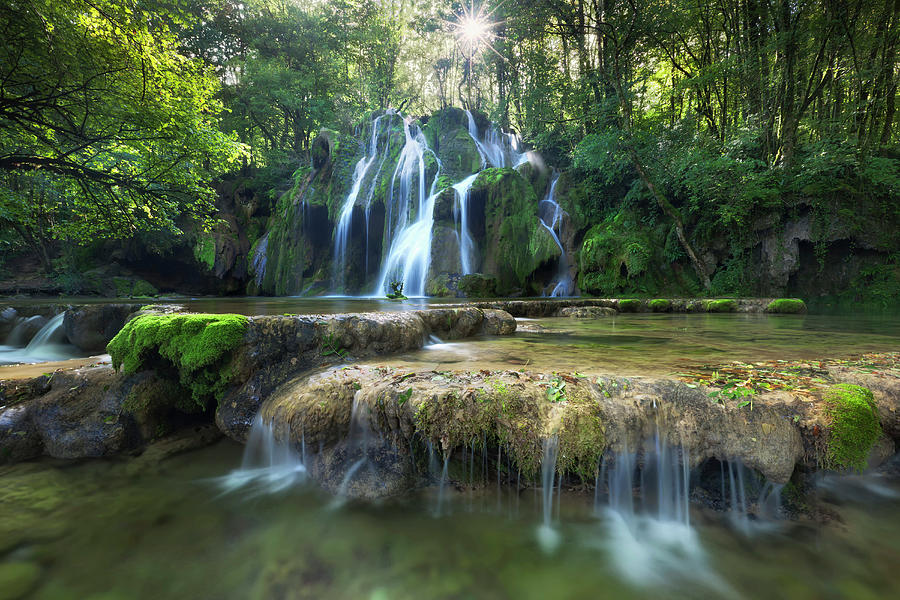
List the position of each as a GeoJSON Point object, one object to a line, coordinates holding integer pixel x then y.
{"type": "Point", "coordinates": [497, 149]}
{"type": "Point", "coordinates": [548, 537]}
{"type": "Point", "coordinates": [50, 334]}
{"type": "Point", "coordinates": [460, 212]}
{"type": "Point", "coordinates": [269, 465]}
{"type": "Point", "coordinates": [550, 214]}
{"type": "Point", "coordinates": [409, 256]}
{"type": "Point", "coordinates": [650, 539]}
{"type": "Point", "coordinates": [259, 260]}
{"type": "Point", "coordinates": [345, 220]}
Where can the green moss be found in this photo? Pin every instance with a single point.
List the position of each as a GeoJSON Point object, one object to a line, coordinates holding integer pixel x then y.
{"type": "Point", "coordinates": [721, 306]}
{"type": "Point", "coordinates": [205, 251]}
{"type": "Point", "coordinates": [581, 441]}
{"type": "Point", "coordinates": [197, 345]}
{"type": "Point", "coordinates": [477, 285]}
{"type": "Point", "coordinates": [660, 305]}
{"type": "Point", "coordinates": [629, 305]}
{"type": "Point", "coordinates": [143, 288]}
{"type": "Point", "coordinates": [786, 306]}
{"type": "Point", "coordinates": [17, 579]}
{"type": "Point", "coordinates": [855, 426]}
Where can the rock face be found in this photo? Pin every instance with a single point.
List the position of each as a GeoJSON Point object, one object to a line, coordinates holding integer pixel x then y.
{"type": "Point", "coordinates": [276, 347]}
{"type": "Point", "coordinates": [91, 327]}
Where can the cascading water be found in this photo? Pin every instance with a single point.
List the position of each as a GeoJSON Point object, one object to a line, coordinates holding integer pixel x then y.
{"type": "Point", "coordinates": [409, 256]}
{"type": "Point", "coordinates": [551, 216]}
{"type": "Point", "coordinates": [360, 176]}
{"type": "Point", "coordinates": [270, 464]}
{"type": "Point", "coordinates": [259, 260]}
{"type": "Point", "coordinates": [460, 213]}
{"type": "Point", "coordinates": [548, 537]}
{"type": "Point", "coordinates": [652, 540]}
{"type": "Point", "coordinates": [497, 149]}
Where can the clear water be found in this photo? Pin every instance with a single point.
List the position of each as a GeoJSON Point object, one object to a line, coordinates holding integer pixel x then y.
{"type": "Point", "coordinates": [142, 529]}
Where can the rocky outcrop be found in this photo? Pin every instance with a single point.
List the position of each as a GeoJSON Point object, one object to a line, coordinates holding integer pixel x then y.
{"type": "Point", "coordinates": [276, 347]}
{"type": "Point", "coordinates": [90, 327]}
{"type": "Point", "coordinates": [512, 412]}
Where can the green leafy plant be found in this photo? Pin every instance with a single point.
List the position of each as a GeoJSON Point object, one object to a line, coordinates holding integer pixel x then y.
{"type": "Point", "coordinates": [331, 346]}
{"type": "Point", "coordinates": [556, 391]}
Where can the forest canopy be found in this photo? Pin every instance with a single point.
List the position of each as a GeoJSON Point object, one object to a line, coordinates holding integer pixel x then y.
{"type": "Point", "coordinates": [117, 116]}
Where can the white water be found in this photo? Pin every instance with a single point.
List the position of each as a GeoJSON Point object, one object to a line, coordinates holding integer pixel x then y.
{"type": "Point", "coordinates": [461, 214]}
{"type": "Point", "coordinates": [345, 220]}
{"type": "Point", "coordinates": [48, 344]}
{"type": "Point", "coordinates": [270, 464]}
{"type": "Point", "coordinates": [409, 256]}
{"type": "Point", "coordinates": [651, 542]}
{"type": "Point", "coordinates": [260, 259]}
{"type": "Point", "coordinates": [497, 149]}
{"type": "Point", "coordinates": [548, 538]}
{"type": "Point", "coordinates": [551, 216]}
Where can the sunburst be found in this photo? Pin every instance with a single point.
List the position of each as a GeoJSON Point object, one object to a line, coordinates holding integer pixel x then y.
{"type": "Point", "coordinates": [474, 29]}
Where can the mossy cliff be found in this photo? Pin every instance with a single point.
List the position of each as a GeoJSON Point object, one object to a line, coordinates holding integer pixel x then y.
{"type": "Point", "coordinates": [514, 244]}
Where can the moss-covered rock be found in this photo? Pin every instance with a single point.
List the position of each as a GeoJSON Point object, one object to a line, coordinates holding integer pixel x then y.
{"type": "Point", "coordinates": [660, 305]}
{"type": "Point", "coordinates": [196, 345]}
{"type": "Point", "coordinates": [630, 305]}
{"type": "Point", "coordinates": [514, 243]}
{"type": "Point", "coordinates": [613, 255]}
{"type": "Point", "coordinates": [478, 285]}
{"type": "Point", "coordinates": [721, 306]}
{"type": "Point", "coordinates": [786, 306]}
{"type": "Point", "coordinates": [855, 426]}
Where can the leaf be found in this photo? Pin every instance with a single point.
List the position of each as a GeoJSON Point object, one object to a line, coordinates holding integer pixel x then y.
{"type": "Point", "coordinates": [404, 396]}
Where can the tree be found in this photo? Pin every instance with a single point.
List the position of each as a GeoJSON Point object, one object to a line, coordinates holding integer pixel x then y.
{"type": "Point", "coordinates": [105, 127]}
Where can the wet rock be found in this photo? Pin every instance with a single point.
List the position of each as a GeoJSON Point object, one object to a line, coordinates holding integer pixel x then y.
{"type": "Point", "coordinates": [591, 416]}
{"type": "Point", "coordinates": [91, 327]}
{"type": "Point", "coordinates": [18, 579]}
{"type": "Point", "coordinates": [26, 329]}
{"type": "Point", "coordinates": [19, 439]}
{"type": "Point", "coordinates": [588, 312]}
{"type": "Point", "coordinates": [81, 416]}
{"type": "Point", "coordinates": [8, 318]}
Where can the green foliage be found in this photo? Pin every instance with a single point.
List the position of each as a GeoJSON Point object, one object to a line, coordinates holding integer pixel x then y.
{"type": "Point", "coordinates": [855, 426]}
{"type": "Point", "coordinates": [196, 345]}
{"type": "Point", "coordinates": [556, 389]}
{"type": "Point", "coordinates": [477, 285]}
{"type": "Point", "coordinates": [786, 306]}
{"type": "Point", "coordinates": [107, 129]}
{"type": "Point", "coordinates": [205, 251]}
{"type": "Point", "coordinates": [614, 254]}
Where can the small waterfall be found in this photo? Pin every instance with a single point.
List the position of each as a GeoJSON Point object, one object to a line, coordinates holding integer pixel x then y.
{"type": "Point", "coordinates": [551, 214]}
{"type": "Point", "coordinates": [497, 149]}
{"type": "Point", "coordinates": [651, 540]}
{"type": "Point", "coordinates": [270, 464]}
{"type": "Point", "coordinates": [50, 334]}
{"type": "Point", "coordinates": [409, 256]}
{"type": "Point", "coordinates": [345, 220]}
{"type": "Point", "coordinates": [16, 337]}
{"type": "Point", "coordinates": [746, 514]}
{"type": "Point", "coordinates": [548, 537]}
{"type": "Point", "coordinates": [460, 213]}
{"type": "Point", "coordinates": [259, 260]}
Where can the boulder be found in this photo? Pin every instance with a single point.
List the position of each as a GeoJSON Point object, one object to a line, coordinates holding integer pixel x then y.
{"type": "Point", "coordinates": [91, 327]}
{"type": "Point", "coordinates": [588, 312]}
